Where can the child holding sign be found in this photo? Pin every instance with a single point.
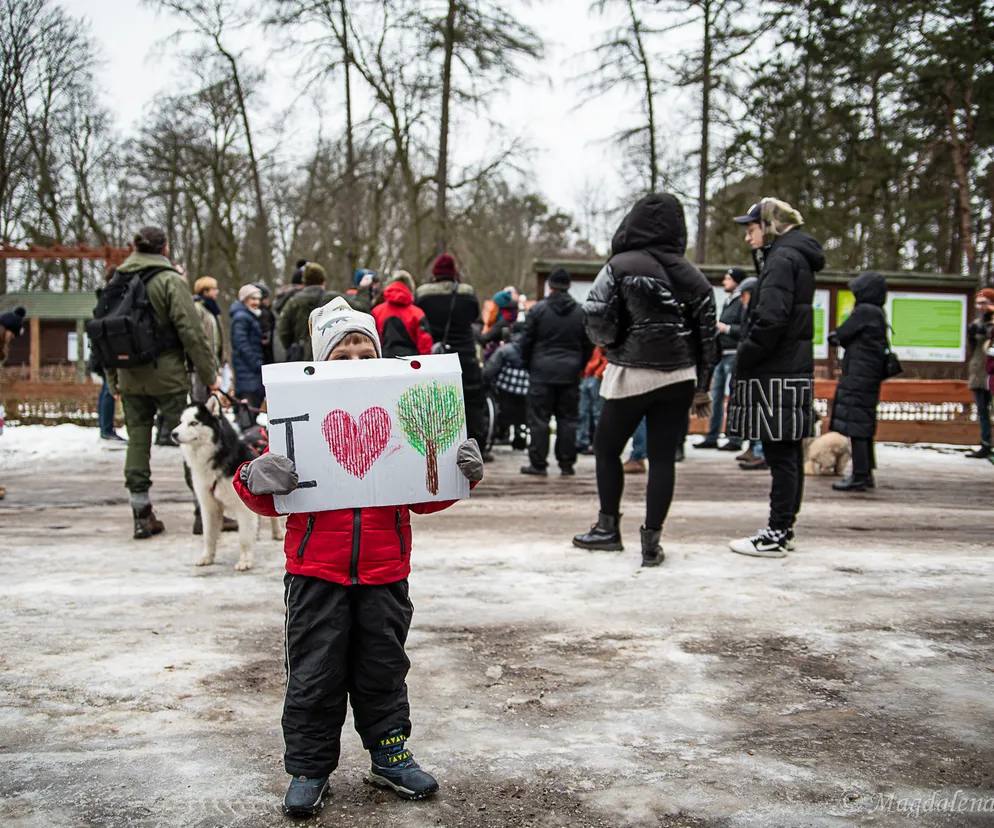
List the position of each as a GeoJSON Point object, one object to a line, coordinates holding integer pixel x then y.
{"type": "Point", "coordinates": [347, 607]}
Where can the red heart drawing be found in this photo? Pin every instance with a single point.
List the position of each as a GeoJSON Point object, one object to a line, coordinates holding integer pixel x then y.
{"type": "Point", "coordinates": [357, 445]}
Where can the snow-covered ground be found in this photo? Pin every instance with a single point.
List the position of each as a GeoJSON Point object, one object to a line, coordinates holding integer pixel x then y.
{"type": "Point", "coordinates": [550, 686]}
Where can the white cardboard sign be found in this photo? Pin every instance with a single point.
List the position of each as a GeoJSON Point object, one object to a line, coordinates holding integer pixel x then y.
{"type": "Point", "coordinates": [374, 432]}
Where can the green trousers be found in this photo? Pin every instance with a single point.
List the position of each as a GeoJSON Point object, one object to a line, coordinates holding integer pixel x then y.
{"type": "Point", "coordinates": [139, 416]}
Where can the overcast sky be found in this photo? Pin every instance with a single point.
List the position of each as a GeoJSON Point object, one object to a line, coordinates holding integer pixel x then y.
{"type": "Point", "coordinates": [572, 150]}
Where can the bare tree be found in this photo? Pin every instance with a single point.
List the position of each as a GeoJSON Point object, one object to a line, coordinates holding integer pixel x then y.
{"type": "Point", "coordinates": [212, 20]}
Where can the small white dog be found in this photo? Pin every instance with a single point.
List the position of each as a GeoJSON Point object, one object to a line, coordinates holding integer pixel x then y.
{"type": "Point", "coordinates": [213, 451]}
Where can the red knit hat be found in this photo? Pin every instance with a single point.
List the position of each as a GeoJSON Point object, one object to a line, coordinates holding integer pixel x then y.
{"type": "Point", "coordinates": [445, 265]}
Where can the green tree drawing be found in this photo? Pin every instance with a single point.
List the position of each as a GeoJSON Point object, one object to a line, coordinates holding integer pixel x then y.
{"type": "Point", "coordinates": [431, 415]}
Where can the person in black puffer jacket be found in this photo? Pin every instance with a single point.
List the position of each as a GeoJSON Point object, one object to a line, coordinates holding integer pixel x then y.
{"type": "Point", "coordinates": [554, 348]}
{"type": "Point", "coordinates": [653, 313]}
{"type": "Point", "coordinates": [854, 413]}
{"type": "Point", "coordinates": [773, 397]}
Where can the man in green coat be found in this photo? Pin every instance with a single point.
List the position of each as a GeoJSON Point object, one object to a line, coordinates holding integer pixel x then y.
{"type": "Point", "coordinates": [161, 386]}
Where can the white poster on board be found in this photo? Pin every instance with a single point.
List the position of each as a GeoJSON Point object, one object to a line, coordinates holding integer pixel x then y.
{"type": "Point", "coordinates": [821, 306]}
{"type": "Point", "coordinates": [928, 327]}
{"type": "Point", "coordinates": [381, 432]}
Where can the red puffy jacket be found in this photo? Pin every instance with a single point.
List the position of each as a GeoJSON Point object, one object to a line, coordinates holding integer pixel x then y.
{"type": "Point", "coordinates": [346, 546]}
{"type": "Point", "coordinates": [398, 304]}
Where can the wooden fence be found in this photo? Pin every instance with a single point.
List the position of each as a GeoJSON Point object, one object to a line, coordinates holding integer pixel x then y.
{"type": "Point", "coordinates": [911, 411]}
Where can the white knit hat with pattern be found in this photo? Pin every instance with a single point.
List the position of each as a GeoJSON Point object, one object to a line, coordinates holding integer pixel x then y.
{"type": "Point", "coordinates": [331, 323]}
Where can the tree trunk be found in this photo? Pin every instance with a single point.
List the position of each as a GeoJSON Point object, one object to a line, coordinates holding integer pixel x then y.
{"type": "Point", "coordinates": [351, 262]}
{"type": "Point", "coordinates": [650, 104]}
{"type": "Point", "coordinates": [442, 176]}
{"type": "Point", "coordinates": [431, 456]}
{"type": "Point", "coordinates": [960, 154]}
{"type": "Point", "coordinates": [702, 184]}
{"type": "Point", "coordinates": [262, 221]}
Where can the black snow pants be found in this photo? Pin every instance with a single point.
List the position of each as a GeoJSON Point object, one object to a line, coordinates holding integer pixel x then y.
{"type": "Point", "coordinates": [342, 643]}
{"type": "Point", "coordinates": [786, 462]}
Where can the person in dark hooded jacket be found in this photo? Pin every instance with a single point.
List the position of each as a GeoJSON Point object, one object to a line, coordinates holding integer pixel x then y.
{"type": "Point", "coordinates": [554, 348]}
{"type": "Point", "coordinates": [247, 353]}
{"type": "Point", "coordinates": [774, 380]}
{"type": "Point", "coordinates": [653, 312]}
{"type": "Point", "coordinates": [854, 413]}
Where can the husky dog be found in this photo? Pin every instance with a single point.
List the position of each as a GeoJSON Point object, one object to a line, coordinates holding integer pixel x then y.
{"type": "Point", "coordinates": [213, 451]}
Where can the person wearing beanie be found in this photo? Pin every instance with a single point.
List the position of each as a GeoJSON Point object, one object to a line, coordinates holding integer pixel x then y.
{"type": "Point", "coordinates": [401, 325]}
{"type": "Point", "coordinates": [247, 354]}
{"type": "Point", "coordinates": [554, 348]}
{"type": "Point", "coordinates": [160, 387]}
{"type": "Point", "coordinates": [452, 308]}
{"type": "Point", "coordinates": [365, 290]}
{"type": "Point", "coordinates": [729, 332]}
{"type": "Point", "coordinates": [978, 333]}
{"type": "Point", "coordinates": [292, 326]}
{"type": "Point", "coordinates": [348, 610]}
{"type": "Point", "coordinates": [502, 329]}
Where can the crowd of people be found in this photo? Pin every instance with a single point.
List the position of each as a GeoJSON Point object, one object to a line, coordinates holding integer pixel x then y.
{"type": "Point", "coordinates": [645, 352]}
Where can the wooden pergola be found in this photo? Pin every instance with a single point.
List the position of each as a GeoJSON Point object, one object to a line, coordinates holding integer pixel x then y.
{"type": "Point", "coordinates": [111, 257]}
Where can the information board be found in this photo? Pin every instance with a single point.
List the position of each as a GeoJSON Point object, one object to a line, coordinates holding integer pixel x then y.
{"type": "Point", "coordinates": [928, 327]}
{"type": "Point", "coordinates": [822, 302]}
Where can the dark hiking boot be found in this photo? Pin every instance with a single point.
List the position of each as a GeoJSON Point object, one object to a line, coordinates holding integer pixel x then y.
{"type": "Point", "coordinates": [535, 472]}
{"type": "Point", "coordinates": [756, 464]}
{"type": "Point", "coordinates": [706, 444]}
{"type": "Point", "coordinates": [980, 453]}
{"type": "Point", "coordinates": [852, 484]}
{"type": "Point", "coordinates": [652, 552]}
{"type": "Point", "coordinates": [746, 455]}
{"type": "Point", "coordinates": [770, 543]}
{"type": "Point", "coordinates": [567, 471]}
{"type": "Point", "coordinates": [305, 797]}
{"type": "Point", "coordinates": [731, 446]}
{"type": "Point", "coordinates": [634, 467]}
{"type": "Point", "coordinates": [604, 536]}
{"type": "Point", "coordinates": [146, 523]}
{"type": "Point", "coordinates": [394, 768]}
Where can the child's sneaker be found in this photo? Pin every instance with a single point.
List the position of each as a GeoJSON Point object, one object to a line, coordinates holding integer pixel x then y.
{"type": "Point", "coordinates": [394, 767]}
{"type": "Point", "coordinates": [770, 543]}
{"type": "Point", "coordinates": [304, 796]}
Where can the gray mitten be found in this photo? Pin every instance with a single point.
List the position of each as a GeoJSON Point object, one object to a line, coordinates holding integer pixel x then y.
{"type": "Point", "coordinates": [270, 474]}
{"type": "Point", "coordinates": [470, 461]}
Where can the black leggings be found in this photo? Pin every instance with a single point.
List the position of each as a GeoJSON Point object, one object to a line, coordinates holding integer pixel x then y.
{"type": "Point", "coordinates": [786, 462]}
{"type": "Point", "coordinates": [665, 411]}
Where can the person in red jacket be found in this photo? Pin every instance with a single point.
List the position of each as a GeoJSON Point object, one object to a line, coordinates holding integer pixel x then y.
{"type": "Point", "coordinates": [348, 611]}
{"type": "Point", "coordinates": [400, 323]}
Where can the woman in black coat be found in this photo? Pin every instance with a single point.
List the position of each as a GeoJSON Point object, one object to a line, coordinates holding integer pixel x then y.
{"type": "Point", "coordinates": [854, 413]}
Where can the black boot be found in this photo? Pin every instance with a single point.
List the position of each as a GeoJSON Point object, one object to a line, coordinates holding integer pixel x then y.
{"type": "Point", "coordinates": [980, 453]}
{"type": "Point", "coordinates": [852, 484]}
{"type": "Point", "coordinates": [680, 454]}
{"type": "Point", "coordinates": [305, 797]}
{"type": "Point", "coordinates": [394, 768]}
{"type": "Point", "coordinates": [604, 536]}
{"type": "Point", "coordinates": [146, 523]}
{"type": "Point", "coordinates": [652, 552]}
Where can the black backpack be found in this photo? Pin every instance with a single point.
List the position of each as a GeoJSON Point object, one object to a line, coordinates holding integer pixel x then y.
{"type": "Point", "coordinates": [396, 341]}
{"type": "Point", "coordinates": [124, 331]}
